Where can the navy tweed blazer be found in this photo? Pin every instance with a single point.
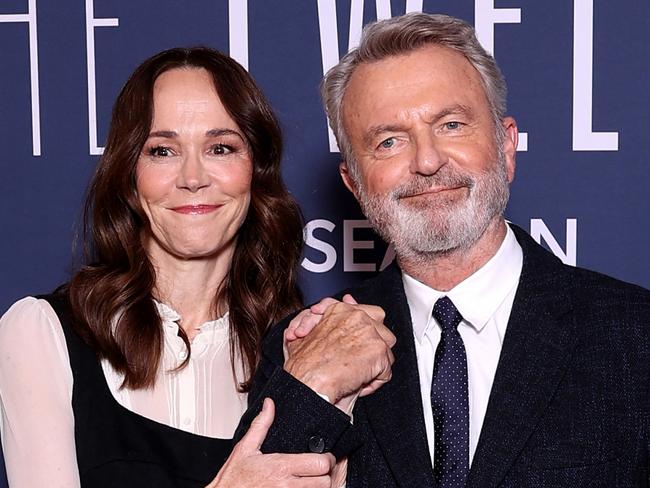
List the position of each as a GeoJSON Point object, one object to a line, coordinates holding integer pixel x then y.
{"type": "Point", "coordinates": [569, 406]}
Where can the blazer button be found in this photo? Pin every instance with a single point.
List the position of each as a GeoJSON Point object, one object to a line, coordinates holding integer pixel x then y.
{"type": "Point", "coordinates": [316, 444]}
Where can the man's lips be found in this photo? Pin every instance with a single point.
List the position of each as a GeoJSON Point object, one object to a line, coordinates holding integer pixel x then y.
{"type": "Point", "coordinates": [195, 209]}
{"type": "Point", "coordinates": [431, 191]}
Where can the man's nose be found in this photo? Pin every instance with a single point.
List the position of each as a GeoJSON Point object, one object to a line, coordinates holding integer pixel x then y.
{"type": "Point", "coordinates": [428, 156]}
{"type": "Point", "coordinates": [193, 175]}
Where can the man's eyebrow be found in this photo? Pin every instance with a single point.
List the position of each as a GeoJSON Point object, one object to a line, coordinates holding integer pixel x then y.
{"type": "Point", "coordinates": [457, 109]}
{"type": "Point", "coordinates": [376, 130]}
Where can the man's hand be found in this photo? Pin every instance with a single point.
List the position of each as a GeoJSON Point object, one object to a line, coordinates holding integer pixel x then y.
{"type": "Point", "coordinates": [303, 323]}
{"type": "Point", "coordinates": [347, 354]}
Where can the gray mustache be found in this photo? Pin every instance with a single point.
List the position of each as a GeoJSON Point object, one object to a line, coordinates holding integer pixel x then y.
{"type": "Point", "coordinates": [419, 183]}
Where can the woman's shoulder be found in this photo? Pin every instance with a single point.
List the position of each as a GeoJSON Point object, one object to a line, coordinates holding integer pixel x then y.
{"type": "Point", "coordinates": [32, 347]}
{"type": "Point", "coordinates": [29, 307]}
{"type": "Point", "coordinates": [28, 319]}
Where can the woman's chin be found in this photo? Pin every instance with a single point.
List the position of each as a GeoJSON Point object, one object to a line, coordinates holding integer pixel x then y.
{"type": "Point", "coordinates": [198, 253]}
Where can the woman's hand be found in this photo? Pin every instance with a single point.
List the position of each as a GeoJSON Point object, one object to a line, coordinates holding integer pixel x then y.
{"type": "Point", "coordinates": [247, 467]}
{"type": "Point", "coordinates": [340, 473]}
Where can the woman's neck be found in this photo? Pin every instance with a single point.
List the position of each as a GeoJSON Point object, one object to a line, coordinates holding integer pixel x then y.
{"type": "Point", "coordinates": [189, 286]}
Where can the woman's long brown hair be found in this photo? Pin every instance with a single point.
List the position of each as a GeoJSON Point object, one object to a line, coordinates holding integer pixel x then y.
{"type": "Point", "coordinates": [111, 296]}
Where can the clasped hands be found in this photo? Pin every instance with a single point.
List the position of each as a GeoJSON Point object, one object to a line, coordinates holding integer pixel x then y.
{"type": "Point", "coordinates": [340, 349]}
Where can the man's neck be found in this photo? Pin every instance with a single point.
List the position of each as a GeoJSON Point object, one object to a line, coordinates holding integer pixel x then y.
{"type": "Point", "coordinates": [443, 271]}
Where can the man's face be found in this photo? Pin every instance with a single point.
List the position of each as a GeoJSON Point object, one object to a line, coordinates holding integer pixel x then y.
{"type": "Point", "coordinates": [431, 174]}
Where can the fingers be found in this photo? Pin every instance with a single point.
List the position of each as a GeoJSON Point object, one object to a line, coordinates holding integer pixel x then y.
{"type": "Point", "coordinates": [305, 321]}
{"type": "Point", "coordinates": [350, 334]}
{"type": "Point", "coordinates": [339, 473]}
{"type": "Point", "coordinates": [317, 482]}
{"type": "Point", "coordinates": [387, 336]}
{"type": "Point", "coordinates": [382, 378]}
{"type": "Point", "coordinates": [290, 331]}
{"type": "Point", "coordinates": [307, 324]}
{"type": "Point", "coordinates": [378, 315]}
{"type": "Point", "coordinates": [290, 470]}
{"type": "Point", "coordinates": [247, 466]}
{"type": "Point", "coordinates": [309, 464]}
{"type": "Point", "coordinates": [375, 312]}
{"type": "Point", "coordinates": [321, 306]}
{"type": "Point", "coordinates": [374, 386]}
{"type": "Point", "coordinates": [256, 434]}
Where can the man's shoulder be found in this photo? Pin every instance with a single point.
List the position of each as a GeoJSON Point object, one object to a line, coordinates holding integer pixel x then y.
{"type": "Point", "coordinates": [593, 286]}
{"type": "Point", "coordinates": [548, 271]}
{"type": "Point", "coordinates": [592, 294]}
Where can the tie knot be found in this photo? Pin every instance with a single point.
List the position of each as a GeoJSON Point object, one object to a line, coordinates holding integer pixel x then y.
{"type": "Point", "coordinates": [446, 314]}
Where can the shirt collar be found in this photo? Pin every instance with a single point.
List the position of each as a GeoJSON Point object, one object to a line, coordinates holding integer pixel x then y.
{"type": "Point", "coordinates": [170, 319]}
{"type": "Point", "coordinates": [477, 297]}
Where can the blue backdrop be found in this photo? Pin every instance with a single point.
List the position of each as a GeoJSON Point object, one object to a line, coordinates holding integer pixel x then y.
{"type": "Point", "coordinates": [577, 74]}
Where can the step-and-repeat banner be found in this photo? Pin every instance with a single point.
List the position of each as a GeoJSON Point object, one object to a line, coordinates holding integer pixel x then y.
{"type": "Point", "coordinates": [577, 73]}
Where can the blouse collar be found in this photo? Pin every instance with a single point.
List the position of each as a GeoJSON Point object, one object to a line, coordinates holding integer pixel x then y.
{"type": "Point", "coordinates": [170, 319]}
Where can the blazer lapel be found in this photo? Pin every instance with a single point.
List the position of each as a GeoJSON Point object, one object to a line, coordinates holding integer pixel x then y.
{"type": "Point", "coordinates": [395, 410]}
{"type": "Point", "coordinates": [533, 358]}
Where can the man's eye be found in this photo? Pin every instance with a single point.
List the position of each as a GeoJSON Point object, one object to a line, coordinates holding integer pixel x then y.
{"type": "Point", "coordinates": [387, 144]}
{"type": "Point", "coordinates": [453, 125]}
{"type": "Point", "coordinates": [160, 151]}
{"type": "Point", "coordinates": [221, 149]}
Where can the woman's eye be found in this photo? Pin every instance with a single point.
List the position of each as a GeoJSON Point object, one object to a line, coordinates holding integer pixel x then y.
{"type": "Point", "coordinates": [221, 149]}
{"type": "Point", "coordinates": [160, 151]}
{"type": "Point", "coordinates": [387, 144]}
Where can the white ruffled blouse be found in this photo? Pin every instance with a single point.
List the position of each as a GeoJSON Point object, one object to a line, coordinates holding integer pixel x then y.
{"type": "Point", "coordinates": [36, 391]}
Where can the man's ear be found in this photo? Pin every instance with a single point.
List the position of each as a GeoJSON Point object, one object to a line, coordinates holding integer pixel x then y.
{"type": "Point", "coordinates": [510, 142]}
{"type": "Point", "coordinates": [349, 182]}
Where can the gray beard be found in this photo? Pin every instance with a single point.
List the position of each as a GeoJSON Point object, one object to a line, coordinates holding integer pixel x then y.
{"type": "Point", "coordinates": [438, 224]}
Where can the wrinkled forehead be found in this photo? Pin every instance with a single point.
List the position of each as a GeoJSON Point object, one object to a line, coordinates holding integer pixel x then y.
{"type": "Point", "coordinates": [430, 77]}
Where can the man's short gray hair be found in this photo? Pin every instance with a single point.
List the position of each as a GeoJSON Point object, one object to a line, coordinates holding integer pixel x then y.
{"type": "Point", "coordinates": [402, 35]}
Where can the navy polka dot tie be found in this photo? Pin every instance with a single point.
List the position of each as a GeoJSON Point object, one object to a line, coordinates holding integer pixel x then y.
{"type": "Point", "coordinates": [449, 401]}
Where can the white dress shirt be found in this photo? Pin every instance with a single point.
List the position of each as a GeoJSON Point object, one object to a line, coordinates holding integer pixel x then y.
{"type": "Point", "coordinates": [484, 300]}
{"type": "Point", "coordinates": [36, 391]}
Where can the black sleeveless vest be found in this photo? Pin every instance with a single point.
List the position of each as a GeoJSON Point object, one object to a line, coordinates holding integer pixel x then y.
{"type": "Point", "coordinates": [118, 448]}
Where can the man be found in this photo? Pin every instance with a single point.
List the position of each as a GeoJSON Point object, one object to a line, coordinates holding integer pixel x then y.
{"type": "Point", "coordinates": [510, 368]}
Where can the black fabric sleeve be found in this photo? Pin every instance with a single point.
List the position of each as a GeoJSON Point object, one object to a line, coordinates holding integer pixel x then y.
{"type": "Point", "coordinates": [304, 422]}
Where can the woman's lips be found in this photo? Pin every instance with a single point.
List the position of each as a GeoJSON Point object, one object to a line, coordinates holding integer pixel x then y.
{"type": "Point", "coordinates": [195, 209]}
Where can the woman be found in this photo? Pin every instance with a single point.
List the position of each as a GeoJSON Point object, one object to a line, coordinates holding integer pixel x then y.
{"type": "Point", "coordinates": [193, 248]}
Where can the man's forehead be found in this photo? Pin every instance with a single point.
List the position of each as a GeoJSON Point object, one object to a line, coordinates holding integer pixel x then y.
{"type": "Point", "coordinates": [420, 62]}
{"type": "Point", "coordinates": [430, 78]}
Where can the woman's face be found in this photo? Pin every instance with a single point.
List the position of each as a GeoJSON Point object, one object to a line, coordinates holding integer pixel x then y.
{"type": "Point", "coordinates": [194, 172]}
